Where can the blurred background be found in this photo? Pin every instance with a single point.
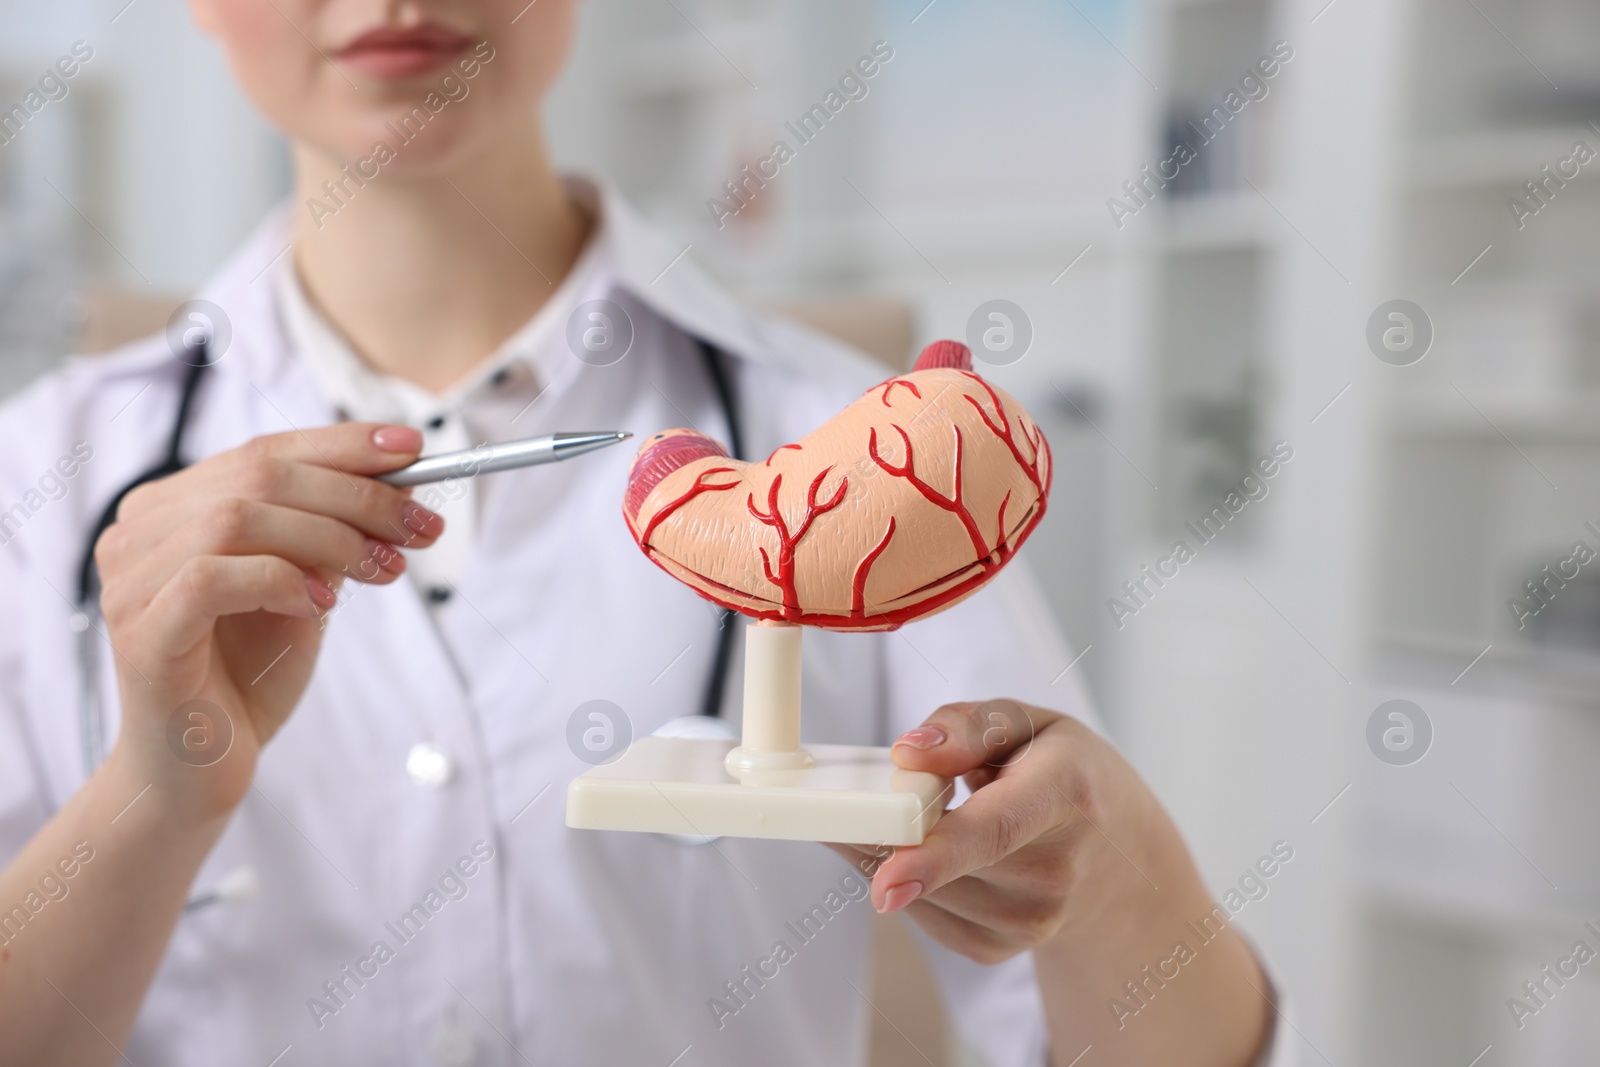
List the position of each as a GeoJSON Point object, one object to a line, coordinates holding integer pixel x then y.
{"type": "Point", "coordinates": [1168, 335]}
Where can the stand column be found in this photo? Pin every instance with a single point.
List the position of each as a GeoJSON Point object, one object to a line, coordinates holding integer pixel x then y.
{"type": "Point", "coordinates": [771, 739]}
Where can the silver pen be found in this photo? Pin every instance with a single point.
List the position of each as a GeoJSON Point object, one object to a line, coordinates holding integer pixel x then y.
{"type": "Point", "coordinates": [487, 459]}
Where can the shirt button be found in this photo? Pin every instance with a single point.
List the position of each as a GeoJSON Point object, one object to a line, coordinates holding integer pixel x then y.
{"type": "Point", "coordinates": [500, 377]}
{"type": "Point", "coordinates": [438, 594]}
{"type": "Point", "coordinates": [435, 423]}
{"type": "Point", "coordinates": [429, 765]}
{"type": "Point", "coordinates": [455, 1046]}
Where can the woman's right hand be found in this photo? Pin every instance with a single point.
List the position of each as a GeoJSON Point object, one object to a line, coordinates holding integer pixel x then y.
{"type": "Point", "coordinates": [216, 584]}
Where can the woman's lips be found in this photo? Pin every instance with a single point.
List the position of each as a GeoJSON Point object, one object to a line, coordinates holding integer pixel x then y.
{"type": "Point", "coordinates": [392, 54]}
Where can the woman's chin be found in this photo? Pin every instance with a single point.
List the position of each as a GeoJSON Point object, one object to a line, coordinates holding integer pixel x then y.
{"type": "Point", "coordinates": [391, 147]}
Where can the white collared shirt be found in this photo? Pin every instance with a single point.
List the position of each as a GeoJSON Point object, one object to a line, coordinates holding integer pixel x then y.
{"type": "Point", "coordinates": [486, 406]}
{"type": "Point", "coordinates": [451, 917]}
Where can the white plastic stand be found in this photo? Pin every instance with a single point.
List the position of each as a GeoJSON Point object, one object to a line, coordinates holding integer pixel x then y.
{"type": "Point", "coordinates": [766, 786]}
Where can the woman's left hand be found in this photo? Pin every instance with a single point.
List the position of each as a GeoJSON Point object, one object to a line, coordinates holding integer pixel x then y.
{"type": "Point", "coordinates": [1062, 849]}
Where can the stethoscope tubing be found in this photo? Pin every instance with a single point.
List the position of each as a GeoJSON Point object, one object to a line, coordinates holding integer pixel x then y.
{"type": "Point", "coordinates": [91, 714]}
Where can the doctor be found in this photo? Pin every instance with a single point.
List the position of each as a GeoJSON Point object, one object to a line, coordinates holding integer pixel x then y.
{"type": "Point", "coordinates": [396, 672]}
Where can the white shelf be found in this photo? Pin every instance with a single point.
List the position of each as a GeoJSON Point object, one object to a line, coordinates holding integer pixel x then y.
{"type": "Point", "coordinates": [1499, 922]}
{"type": "Point", "coordinates": [1050, 235]}
{"type": "Point", "coordinates": [1448, 416]}
{"type": "Point", "coordinates": [1222, 220]}
{"type": "Point", "coordinates": [1495, 157]}
{"type": "Point", "coordinates": [1556, 676]}
{"type": "Point", "coordinates": [673, 63]}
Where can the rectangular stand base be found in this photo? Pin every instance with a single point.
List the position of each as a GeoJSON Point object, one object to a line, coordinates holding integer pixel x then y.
{"type": "Point", "coordinates": [854, 795]}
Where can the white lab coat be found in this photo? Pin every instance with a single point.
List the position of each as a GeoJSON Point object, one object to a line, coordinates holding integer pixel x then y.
{"type": "Point", "coordinates": [566, 947]}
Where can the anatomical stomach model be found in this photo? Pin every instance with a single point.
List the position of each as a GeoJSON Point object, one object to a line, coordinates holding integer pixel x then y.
{"type": "Point", "coordinates": [905, 503]}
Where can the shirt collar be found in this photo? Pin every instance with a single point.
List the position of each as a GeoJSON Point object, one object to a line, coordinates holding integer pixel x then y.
{"type": "Point", "coordinates": [659, 273]}
{"type": "Point", "coordinates": [663, 276]}
{"type": "Point", "coordinates": [357, 389]}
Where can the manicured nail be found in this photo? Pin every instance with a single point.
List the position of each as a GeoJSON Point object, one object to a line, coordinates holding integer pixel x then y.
{"type": "Point", "coordinates": [397, 438]}
{"type": "Point", "coordinates": [322, 596]}
{"type": "Point", "coordinates": [386, 556]}
{"type": "Point", "coordinates": [420, 521]}
{"type": "Point", "coordinates": [900, 895]}
{"type": "Point", "coordinates": [923, 737]}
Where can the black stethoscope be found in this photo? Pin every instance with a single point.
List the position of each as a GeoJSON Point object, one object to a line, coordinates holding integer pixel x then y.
{"type": "Point", "coordinates": [91, 716]}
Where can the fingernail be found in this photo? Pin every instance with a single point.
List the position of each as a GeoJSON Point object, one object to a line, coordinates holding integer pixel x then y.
{"type": "Point", "coordinates": [397, 438]}
{"type": "Point", "coordinates": [923, 737]}
{"type": "Point", "coordinates": [322, 596]}
{"type": "Point", "coordinates": [385, 556]}
{"type": "Point", "coordinates": [421, 521]}
{"type": "Point", "coordinates": [900, 895]}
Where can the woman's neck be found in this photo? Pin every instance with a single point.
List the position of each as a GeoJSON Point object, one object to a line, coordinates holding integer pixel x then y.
{"type": "Point", "coordinates": [426, 277]}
